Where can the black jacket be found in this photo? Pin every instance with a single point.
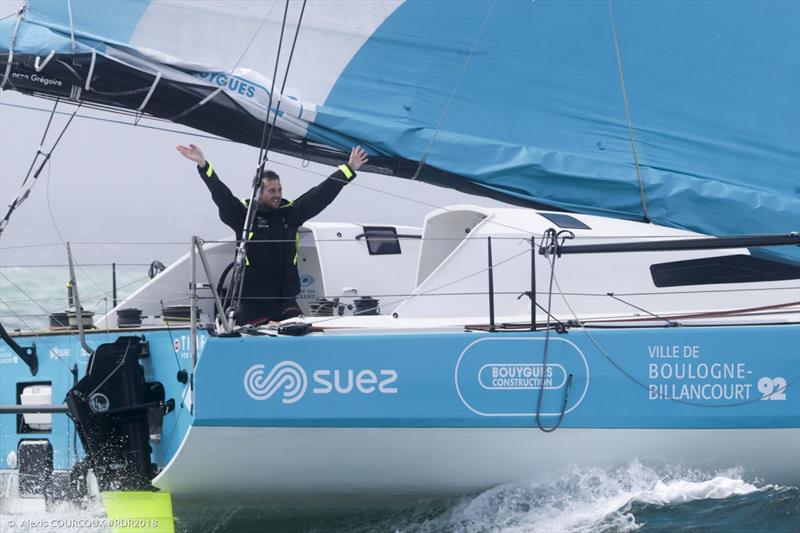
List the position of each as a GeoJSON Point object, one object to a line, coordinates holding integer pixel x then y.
{"type": "Point", "coordinates": [271, 269]}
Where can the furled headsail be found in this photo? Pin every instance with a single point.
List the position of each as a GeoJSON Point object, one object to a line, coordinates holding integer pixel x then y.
{"type": "Point", "coordinates": [683, 113]}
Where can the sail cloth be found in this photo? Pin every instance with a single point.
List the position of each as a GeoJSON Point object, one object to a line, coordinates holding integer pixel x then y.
{"type": "Point", "coordinates": [535, 102]}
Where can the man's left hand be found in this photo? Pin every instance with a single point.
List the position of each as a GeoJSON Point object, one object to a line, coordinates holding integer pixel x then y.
{"type": "Point", "coordinates": [358, 156]}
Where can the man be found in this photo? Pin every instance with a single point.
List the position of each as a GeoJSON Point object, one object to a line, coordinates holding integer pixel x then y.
{"type": "Point", "coordinates": [271, 281]}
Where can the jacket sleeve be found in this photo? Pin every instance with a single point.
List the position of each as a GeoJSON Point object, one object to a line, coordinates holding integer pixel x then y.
{"type": "Point", "coordinates": [231, 211]}
{"type": "Point", "coordinates": [313, 201]}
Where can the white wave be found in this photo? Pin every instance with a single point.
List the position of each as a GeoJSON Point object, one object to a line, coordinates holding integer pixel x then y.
{"type": "Point", "coordinates": [581, 500]}
{"type": "Point", "coordinates": [680, 491]}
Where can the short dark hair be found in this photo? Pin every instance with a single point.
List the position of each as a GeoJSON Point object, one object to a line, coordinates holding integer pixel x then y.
{"type": "Point", "coordinates": [270, 175]}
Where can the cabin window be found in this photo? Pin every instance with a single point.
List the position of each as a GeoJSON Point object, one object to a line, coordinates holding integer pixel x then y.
{"type": "Point", "coordinates": [722, 269]}
{"type": "Point", "coordinates": [564, 221]}
{"type": "Point", "coordinates": [381, 240]}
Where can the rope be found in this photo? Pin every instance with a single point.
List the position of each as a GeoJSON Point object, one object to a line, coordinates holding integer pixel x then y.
{"type": "Point", "coordinates": [214, 93]}
{"type": "Point", "coordinates": [628, 119]}
{"type": "Point", "coordinates": [58, 231]}
{"type": "Point", "coordinates": [71, 27]}
{"type": "Point", "coordinates": [283, 83]}
{"type": "Point", "coordinates": [635, 380]}
{"type": "Point", "coordinates": [24, 191]}
{"type": "Point", "coordinates": [121, 112]}
{"type": "Point", "coordinates": [400, 197]}
{"type": "Point", "coordinates": [22, 321]}
{"type": "Point", "coordinates": [237, 278]}
{"type": "Point", "coordinates": [671, 323]}
{"type": "Point", "coordinates": [171, 339]}
{"type": "Point", "coordinates": [429, 291]}
{"type": "Point", "coordinates": [551, 250]}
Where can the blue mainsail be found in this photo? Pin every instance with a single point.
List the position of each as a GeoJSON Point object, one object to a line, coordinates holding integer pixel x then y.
{"type": "Point", "coordinates": [683, 113]}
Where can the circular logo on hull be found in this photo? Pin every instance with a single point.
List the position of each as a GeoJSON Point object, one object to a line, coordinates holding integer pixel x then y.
{"type": "Point", "coordinates": [287, 377]}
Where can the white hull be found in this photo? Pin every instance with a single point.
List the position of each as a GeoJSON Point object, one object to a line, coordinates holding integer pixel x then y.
{"type": "Point", "coordinates": [361, 467]}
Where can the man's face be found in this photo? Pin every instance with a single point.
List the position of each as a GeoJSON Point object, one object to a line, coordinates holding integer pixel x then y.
{"type": "Point", "coordinates": [271, 194]}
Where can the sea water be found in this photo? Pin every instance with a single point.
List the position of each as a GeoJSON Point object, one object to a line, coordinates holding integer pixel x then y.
{"type": "Point", "coordinates": [636, 497]}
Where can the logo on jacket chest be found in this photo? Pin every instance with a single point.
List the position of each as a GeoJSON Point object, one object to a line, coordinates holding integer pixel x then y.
{"type": "Point", "coordinates": [265, 223]}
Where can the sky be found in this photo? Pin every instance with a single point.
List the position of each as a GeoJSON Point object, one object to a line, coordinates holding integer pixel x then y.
{"type": "Point", "coordinates": [125, 184]}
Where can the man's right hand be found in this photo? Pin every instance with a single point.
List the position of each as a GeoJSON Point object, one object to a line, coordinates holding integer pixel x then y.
{"type": "Point", "coordinates": [194, 153]}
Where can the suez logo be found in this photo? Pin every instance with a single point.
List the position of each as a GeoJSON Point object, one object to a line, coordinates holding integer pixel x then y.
{"type": "Point", "coordinates": [291, 379]}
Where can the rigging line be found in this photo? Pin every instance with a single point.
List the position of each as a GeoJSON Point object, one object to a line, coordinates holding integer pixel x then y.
{"type": "Point", "coordinates": [71, 27]}
{"type": "Point", "coordinates": [38, 337]}
{"type": "Point", "coordinates": [19, 318]}
{"type": "Point", "coordinates": [236, 285]}
{"type": "Point", "coordinates": [121, 363]}
{"type": "Point", "coordinates": [229, 72]}
{"type": "Point", "coordinates": [262, 151]}
{"type": "Point", "coordinates": [169, 330]}
{"type": "Point", "coordinates": [253, 38]}
{"type": "Point", "coordinates": [285, 77]}
{"type": "Point", "coordinates": [628, 119]}
{"type": "Point", "coordinates": [36, 303]}
{"type": "Point", "coordinates": [55, 224]}
{"type": "Point", "coordinates": [635, 380]}
{"type": "Point", "coordinates": [23, 246]}
{"type": "Point", "coordinates": [429, 291]}
{"type": "Point", "coordinates": [741, 312]}
{"type": "Point", "coordinates": [455, 90]}
{"type": "Point", "coordinates": [102, 295]}
{"type": "Point", "coordinates": [400, 197]}
{"type": "Point", "coordinates": [139, 125]}
{"type": "Point", "coordinates": [551, 259]}
{"type": "Point", "coordinates": [23, 194]}
{"type": "Point", "coordinates": [668, 321]}
{"type": "Point", "coordinates": [41, 144]}
{"type": "Point", "coordinates": [61, 265]}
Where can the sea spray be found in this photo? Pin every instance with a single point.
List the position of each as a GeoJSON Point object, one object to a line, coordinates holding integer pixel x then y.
{"type": "Point", "coordinates": [577, 500]}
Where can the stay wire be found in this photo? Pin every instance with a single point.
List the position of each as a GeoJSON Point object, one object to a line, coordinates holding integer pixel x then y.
{"type": "Point", "coordinates": [230, 71]}
{"type": "Point", "coordinates": [628, 118]}
{"type": "Point", "coordinates": [24, 323]}
{"type": "Point", "coordinates": [61, 236]}
{"type": "Point", "coordinates": [24, 191]}
{"type": "Point", "coordinates": [238, 275]}
{"type": "Point", "coordinates": [122, 122]}
{"type": "Point", "coordinates": [57, 357]}
{"type": "Point", "coordinates": [263, 148]}
{"type": "Point", "coordinates": [668, 321]}
{"type": "Point", "coordinates": [644, 386]}
{"type": "Point", "coordinates": [444, 285]}
{"type": "Point", "coordinates": [283, 84]}
{"type": "Point", "coordinates": [443, 116]}
{"type": "Point", "coordinates": [401, 197]}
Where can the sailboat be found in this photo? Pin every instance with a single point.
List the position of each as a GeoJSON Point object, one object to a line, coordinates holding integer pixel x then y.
{"type": "Point", "coordinates": [637, 298]}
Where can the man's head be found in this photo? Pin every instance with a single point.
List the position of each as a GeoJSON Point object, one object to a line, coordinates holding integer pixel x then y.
{"type": "Point", "coordinates": [271, 191]}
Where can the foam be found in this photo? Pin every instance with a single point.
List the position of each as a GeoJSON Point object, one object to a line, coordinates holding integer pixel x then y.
{"type": "Point", "coordinates": [580, 500]}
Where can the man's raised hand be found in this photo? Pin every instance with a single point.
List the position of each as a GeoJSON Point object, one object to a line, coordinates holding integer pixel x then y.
{"type": "Point", "coordinates": [358, 156]}
{"type": "Point", "coordinates": [194, 153]}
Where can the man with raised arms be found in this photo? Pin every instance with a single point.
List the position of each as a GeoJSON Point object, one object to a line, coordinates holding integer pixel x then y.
{"type": "Point", "coordinates": [271, 281]}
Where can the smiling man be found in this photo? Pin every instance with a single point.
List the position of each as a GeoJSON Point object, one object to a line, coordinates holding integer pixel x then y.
{"type": "Point", "coordinates": [271, 281]}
